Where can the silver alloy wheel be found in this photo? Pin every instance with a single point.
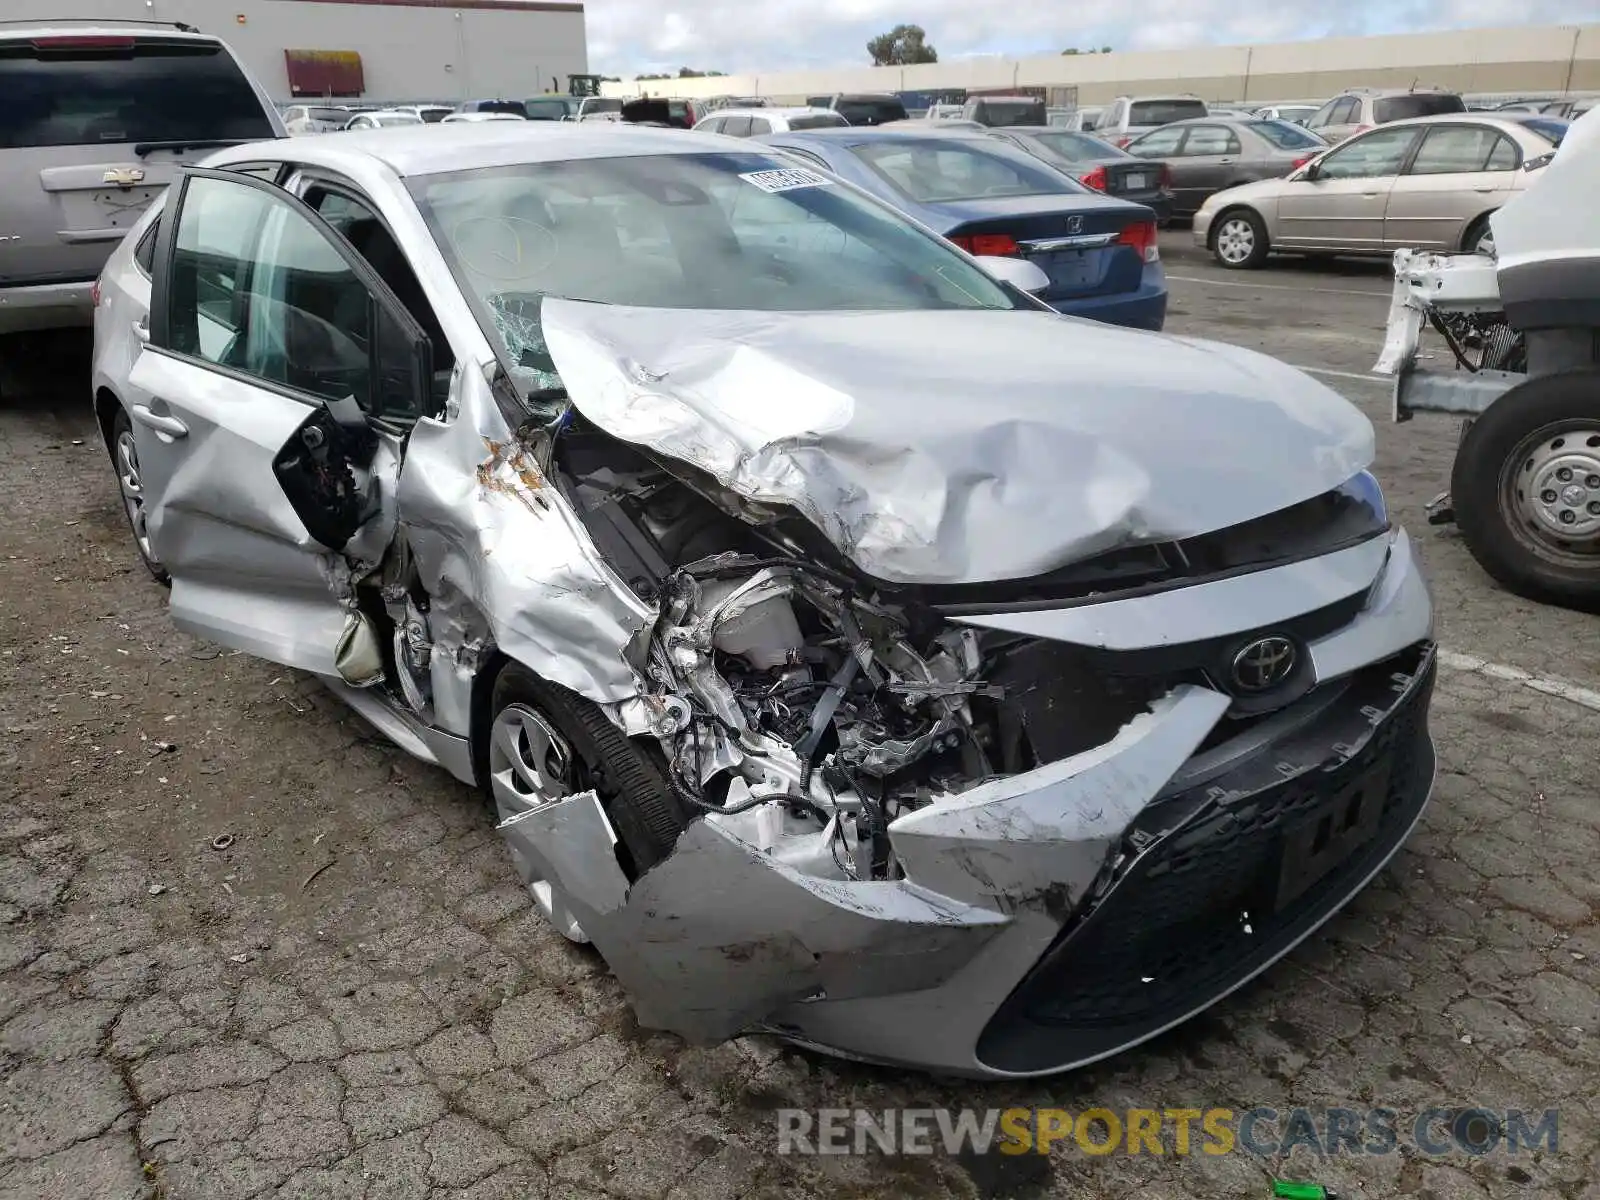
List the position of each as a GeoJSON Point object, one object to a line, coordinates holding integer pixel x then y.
{"type": "Point", "coordinates": [1550, 493]}
{"type": "Point", "coordinates": [530, 766]}
{"type": "Point", "coordinates": [132, 487]}
{"type": "Point", "coordinates": [1236, 240]}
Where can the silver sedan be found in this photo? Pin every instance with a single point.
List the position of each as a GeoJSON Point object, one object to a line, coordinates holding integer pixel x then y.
{"type": "Point", "coordinates": [1428, 183]}
{"type": "Point", "coordinates": [909, 705]}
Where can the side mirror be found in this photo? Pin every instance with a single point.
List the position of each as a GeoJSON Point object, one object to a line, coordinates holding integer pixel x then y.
{"type": "Point", "coordinates": [1021, 274]}
{"type": "Point", "coordinates": [1310, 173]}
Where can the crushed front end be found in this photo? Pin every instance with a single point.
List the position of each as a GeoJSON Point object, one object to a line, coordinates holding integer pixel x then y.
{"type": "Point", "coordinates": [990, 829]}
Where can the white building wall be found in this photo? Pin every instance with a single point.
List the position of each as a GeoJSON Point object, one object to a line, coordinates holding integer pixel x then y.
{"type": "Point", "coordinates": [1554, 59]}
{"type": "Point", "coordinates": [410, 49]}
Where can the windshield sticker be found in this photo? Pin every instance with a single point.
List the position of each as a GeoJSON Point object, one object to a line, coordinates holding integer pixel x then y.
{"type": "Point", "coordinates": [786, 179]}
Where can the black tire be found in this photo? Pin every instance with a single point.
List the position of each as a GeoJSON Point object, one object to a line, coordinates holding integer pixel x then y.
{"type": "Point", "coordinates": [1491, 467]}
{"type": "Point", "coordinates": [1259, 246]}
{"type": "Point", "coordinates": [1475, 231]}
{"type": "Point", "coordinates": [122, 428]}
{"type": "Point", "coordinates": [630, 782]}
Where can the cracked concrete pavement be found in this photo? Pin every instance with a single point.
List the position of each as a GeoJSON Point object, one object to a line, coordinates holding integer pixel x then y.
{"type": "Point", "coordinates": [190, 1023]}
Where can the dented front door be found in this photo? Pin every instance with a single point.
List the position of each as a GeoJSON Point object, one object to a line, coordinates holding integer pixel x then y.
{"type": "Point", "coordinates": [256, 475]}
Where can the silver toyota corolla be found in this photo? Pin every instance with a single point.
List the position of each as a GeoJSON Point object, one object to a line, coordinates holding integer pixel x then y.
{"type": "Point", "coordinates": [854, 649]}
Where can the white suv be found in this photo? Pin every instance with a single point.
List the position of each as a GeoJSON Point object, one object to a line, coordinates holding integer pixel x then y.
{"type": "Point", "coordinates": [97, 118]}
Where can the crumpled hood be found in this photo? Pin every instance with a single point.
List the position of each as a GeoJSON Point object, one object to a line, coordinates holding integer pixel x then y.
{"type": "Point", "coordinates": [967, 446]}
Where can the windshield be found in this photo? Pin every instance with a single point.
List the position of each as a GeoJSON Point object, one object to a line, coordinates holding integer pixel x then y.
{"type": "Point", "coordinates": [132, 90]}
{"type": "Point", "coordinates": [1285, 135]}
{"type": "Point", "coordinates": [736, 231]}
{"type": "Point", "coordinates": [328, 114]}
{"type": "Point", "coordinates": [598, 104]}
{"type": "Point", "coordinates": [552, 109]}
{"type": "Point", "coordinates": [1165, 112]}
{"type": "Point", "coordinates": [998, 113]}
{"type": "Point", "coordinates": [829, 120]}
{"type": "Point", "coordinates": [1077, 147]}
{"type": "Point", "coordinates": [1403, 108]}
{"type": "Point", "coordinates": [931, 171]}
{"type": "Point", "coordinates": [396, 119]}
{"type": "Point", "coordinates": [870, 111]}
{"type": "Point", "coordinates": [1549, 128]}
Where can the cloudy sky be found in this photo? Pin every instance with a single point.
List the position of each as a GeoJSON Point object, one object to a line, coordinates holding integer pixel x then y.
{"type": "Point", "coordinates": [627, 37]}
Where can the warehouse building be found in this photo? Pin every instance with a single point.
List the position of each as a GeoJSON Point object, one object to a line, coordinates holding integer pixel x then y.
{"type": "Point", "coordinates": [1553, 59]}
{"type": "Point", "coordinates": [373, 49]}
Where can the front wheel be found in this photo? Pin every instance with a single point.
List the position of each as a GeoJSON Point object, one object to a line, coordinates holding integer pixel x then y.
{"type": "Point", "coordinates": [1526, 489]}
{"type": "Point", "coordinates": [1239, 241]}
{"type": "Point", "coordinates": [545, 744]}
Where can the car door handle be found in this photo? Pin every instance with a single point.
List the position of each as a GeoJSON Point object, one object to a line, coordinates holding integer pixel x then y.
{"type": "Point", "coordinates": [160, 422]}
{"type": "Point", "coordinates": [141, 330]}
{"type": "Point", "coordinates": [1224, 161]}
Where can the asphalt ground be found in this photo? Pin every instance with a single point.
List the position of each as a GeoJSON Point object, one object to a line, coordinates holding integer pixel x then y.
{"type": "Point", "coordinates": [355, 999]}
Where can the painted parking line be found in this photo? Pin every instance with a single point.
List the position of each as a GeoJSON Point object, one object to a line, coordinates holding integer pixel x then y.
{"type": "Point", "coordinates": [1560, 688]}
{"type": "Point", "coordinates": [1274, 287]}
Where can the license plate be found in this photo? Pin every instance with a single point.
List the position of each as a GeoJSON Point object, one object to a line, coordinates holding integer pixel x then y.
{"type": "Point", "coordinates": [1068, 268]}
{"type": "Point", "coordinates": [1133, 183]}
{"type": "Point", "coordinates": [1330, 834]}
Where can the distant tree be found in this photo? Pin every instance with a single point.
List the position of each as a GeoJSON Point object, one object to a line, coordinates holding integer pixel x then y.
{"type": "Point", "coordinates": [901, 46]}
{"type": "Point", "coordinates": [1072, 50]}
{"type": "Point", "coordinates": [691, 73]}
{"type": "Point", "coordinates": [1090, 50]}
{"type": "Point", "coordinates": [1105, 49]}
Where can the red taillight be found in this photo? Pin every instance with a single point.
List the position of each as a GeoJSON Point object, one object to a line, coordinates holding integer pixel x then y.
{"type": "Point", "coordinates": [1095, 178]}
{"type": "Point", "coordinates": [1361, 129]}
{"type": "Point", "coordinates": [1300, 162]}
{"type": "Point", "coordinates": [1122, 142]}
{"type": "Point", "coordinates": [1143, 238]}
{"type": "Point", "coordinates": [94, 294]}
{"type": "Point", "coordinates": [997, 245]}
{"type": "Point", "coordinates": [83, 42]}
{"type": "Point", "coordinates": [1166, 178]}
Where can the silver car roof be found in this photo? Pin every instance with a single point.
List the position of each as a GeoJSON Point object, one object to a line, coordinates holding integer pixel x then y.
{"type": "Point", "coordinates": [431, 150]}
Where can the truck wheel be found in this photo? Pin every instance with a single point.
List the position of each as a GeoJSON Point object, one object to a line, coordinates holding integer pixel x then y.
{"type": "Point", "coordinates": [1526, 488]}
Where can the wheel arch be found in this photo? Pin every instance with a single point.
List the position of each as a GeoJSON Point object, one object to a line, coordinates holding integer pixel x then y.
{"type": "Point", "coordinates": [106, 406]}
{"type": "Point", "coordinates": [1469, 232]}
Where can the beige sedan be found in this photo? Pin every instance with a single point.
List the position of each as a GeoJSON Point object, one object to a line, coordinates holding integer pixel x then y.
{"type": "Point", "coordinates": [1429, 183]}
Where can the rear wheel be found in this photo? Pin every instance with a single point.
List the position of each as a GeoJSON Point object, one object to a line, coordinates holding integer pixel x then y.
{"type": "Point", "coordinates": [130, 483]}
{"type": "Point", "coordinates": [1479, 238]}
{"type": "Point", "coordinates": [546, 743]}
{"type": "Point", "coordinates": [1239, 240]}
{"type": "Point", "coordinates": [1526, 489]}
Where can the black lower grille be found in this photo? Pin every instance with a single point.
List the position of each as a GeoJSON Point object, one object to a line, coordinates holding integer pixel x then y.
{"type": "Point", "coordinates": [1257, 858]}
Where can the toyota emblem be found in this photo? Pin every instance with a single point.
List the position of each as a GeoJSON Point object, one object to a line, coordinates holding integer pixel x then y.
{"type": "Point", "coordinates": [1264, 663]}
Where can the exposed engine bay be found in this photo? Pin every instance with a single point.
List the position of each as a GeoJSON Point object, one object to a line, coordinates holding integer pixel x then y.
{"type": "Point", "coordinates": [808, 706]}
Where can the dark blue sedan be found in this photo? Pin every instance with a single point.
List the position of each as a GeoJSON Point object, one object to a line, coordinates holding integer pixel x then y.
{"type": "Point", "coordinates": [1100, 253]}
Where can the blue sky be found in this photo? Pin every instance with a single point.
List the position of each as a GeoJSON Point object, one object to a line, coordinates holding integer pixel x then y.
{"type": "Point", "coordinates": [627, 37]}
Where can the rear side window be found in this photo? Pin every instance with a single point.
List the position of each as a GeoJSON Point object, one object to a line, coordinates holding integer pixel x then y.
{"type": "Point", "coordinates": [759, 126]}
{"type": "Point", "coordinates": [75, 91]}
{"type": "Point", "coordinates": [1403, 108]}
{"type": "Point", "coordinates": [144, 254]}
{"type": "Point", "coordinates": [736, 126]}
{"type": "Point", "coordinates": [1164, 112]}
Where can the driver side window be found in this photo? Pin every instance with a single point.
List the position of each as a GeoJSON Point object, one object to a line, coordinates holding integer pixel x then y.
{"type": "Point", "coordinates": [256, 288]}
{"type": "Point", "coordinates": [1370, 156]}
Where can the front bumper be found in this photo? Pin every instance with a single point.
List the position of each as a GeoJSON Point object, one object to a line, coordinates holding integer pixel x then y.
{"type": "Point", "coordinates": [1201, 228]}
{"type": "Point", "coordinates": [1049, 919]}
